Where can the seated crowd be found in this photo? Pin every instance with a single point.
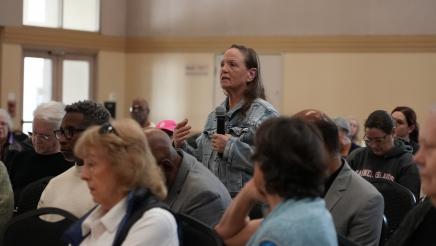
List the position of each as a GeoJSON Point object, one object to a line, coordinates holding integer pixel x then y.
{"type": "Point", "coordinates": [307, 176]}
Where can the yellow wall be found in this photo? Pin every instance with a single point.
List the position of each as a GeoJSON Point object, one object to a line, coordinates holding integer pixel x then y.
{"type": "Point", "coordinates": [171, 91]}
{"type": "Point", "coordinates": [11, 77]}
{"type": "Point", "coordinates": [359, 83]}
{"type": "Point", "coordinates": [111, 79]}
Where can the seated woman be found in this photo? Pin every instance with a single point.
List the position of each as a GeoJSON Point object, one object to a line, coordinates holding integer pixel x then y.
{"type": "Point", "coordinates": [384, 157]}
{"type": "Point", "coordinates": [289, 175]}
{"type": "Point", "coordinates": [123, 178]}
{"type": "Point", "coordinates": [407, 128]}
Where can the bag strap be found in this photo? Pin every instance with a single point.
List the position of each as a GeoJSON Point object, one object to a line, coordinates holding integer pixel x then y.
{"type": "Point", "coordinates": [140, 203]}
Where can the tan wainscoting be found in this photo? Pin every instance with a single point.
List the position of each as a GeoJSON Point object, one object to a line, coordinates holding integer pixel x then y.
{"type": "Point", "coordinates": [47, 37]}
{"type": "Point", "coordinates": [58, 38]}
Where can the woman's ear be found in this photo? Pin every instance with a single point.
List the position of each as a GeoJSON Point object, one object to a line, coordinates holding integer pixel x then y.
{"type": "Point", "coordinates": [411, 129]}
{"type": "Point", "coordinates": [252, 73]}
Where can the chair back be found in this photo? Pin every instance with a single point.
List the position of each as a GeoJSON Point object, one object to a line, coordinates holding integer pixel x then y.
{"type": "Point", "coordinates": [29, 229]}
{"type": "Point", "coordinates": [194, 232]}
{"type": "Point", "coordinates": [30, 195]}
{"type": "Point", "coordinates": [398, 202]}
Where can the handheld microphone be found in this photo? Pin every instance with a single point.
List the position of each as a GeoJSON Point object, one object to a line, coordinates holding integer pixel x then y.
{"type": "Point", "coordinates": [220, 113]}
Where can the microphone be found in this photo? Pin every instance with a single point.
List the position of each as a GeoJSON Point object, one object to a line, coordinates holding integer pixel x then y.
{"type": "Point", "coordinates": [220, 113]}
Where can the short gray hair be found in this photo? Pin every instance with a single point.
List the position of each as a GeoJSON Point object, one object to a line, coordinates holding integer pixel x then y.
{"type": "Point", "coordinates": [51, 112]}
{"type": "Point", "coordinates": [7, 117]}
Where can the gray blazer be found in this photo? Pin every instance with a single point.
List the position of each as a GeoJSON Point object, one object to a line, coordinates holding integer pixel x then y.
{"type": "Point", "coordinates": [356, 207]}
{"type": "Point", "coordinates": [198, 192]}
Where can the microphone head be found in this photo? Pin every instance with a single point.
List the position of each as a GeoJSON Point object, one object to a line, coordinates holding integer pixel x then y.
{"type": "Point", "coordinates": [220, 111]}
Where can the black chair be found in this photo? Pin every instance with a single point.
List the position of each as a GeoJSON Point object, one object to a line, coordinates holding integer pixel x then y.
{"type": "Point", "coordinates": [398, 202]}
{"type": "Point", "coordinates": [30, 195]}
{"type": "Point", "coordinates": [195, 232]}
{"type": "Point", "coordinates": [29, 229]}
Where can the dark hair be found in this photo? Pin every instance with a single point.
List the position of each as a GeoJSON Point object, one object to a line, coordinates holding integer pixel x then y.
{"type": "Point", "coordinates": [290, 154]}
{"type": "Point", "coordinates": [381, 120]}
{"type": "Point", "coordinates": [93, 113]}
{"type": "Point", "coordinates": [326, 127]}
{"type": "Point", "coordinates": [410, 116]}
{"type": "Point", "coordinates": [254, 88]}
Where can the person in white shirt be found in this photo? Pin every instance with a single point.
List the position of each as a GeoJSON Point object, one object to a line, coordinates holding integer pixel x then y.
{"type": "Point", "coordinates": [67, 191]}
{"type": "Point", "coordinates": [123, 177]}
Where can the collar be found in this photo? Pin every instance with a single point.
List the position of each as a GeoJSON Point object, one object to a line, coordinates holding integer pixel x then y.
{"type": "Point", "coordinates": [109, 221]}
{"type": "Point", "coordinates": [177, 186]}
{"type": "Point", "coordinates": [232, 111]}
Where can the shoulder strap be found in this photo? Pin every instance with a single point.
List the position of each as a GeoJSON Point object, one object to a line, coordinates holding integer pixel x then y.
{"type": "Point", "coordinates": [137, 206]}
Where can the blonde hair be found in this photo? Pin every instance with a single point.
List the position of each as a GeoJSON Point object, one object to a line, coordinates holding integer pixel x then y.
{"type": "Point", "coordinates": [126, 149]}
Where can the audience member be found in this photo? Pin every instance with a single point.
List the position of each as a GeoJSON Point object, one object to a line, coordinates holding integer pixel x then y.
{"type": "Point", "coordinates": [139, 111]}
{"type": "Point", "coordinates": [355, 205]}
{"type": "Point", "coordinates": [354, 133]}
{"type": "Point", "coordinates": [67, 191]}
{"type": "Point", "coordinates": [384, 157]}
{"type": "Point", "coordinates": [407, 128]}
{"type": "Point", "coordinates": [192, 188]}
{"type": "Point", "coordinates": [123, 178]}
{"type": "Point", "coordinates": [46, 159]}
{"type": "Point", "coordinates": [228, 155]}
{"type": "Point", "coordinates": [9, 146]}
{"type": "Point", "coordinates": [289, 173]}
{"type": "Point", "coordinates": [419, 225]}
{"type": "Point", "coordinates": [6, 199]}
{"type": "Point", "coordinates": [344, 132]}
{"type": "Point", "coordinates": [167, 126]}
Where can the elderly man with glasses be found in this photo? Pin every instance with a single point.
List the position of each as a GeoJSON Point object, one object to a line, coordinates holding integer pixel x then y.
{"type": "Point", "coordinates": [46, 159]}
{"type": "Point", "coordinates": [139, 111]}
{"type": "Point", "coordinates": [67, 191]}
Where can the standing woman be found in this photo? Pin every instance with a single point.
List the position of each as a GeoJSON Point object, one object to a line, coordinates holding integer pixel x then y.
{"type": "Point", "coordinates": [407, 128]}
{"type": "Point", "coordinates": [228, 155]}
{"type": "Point", "coordinates": [123, 179]}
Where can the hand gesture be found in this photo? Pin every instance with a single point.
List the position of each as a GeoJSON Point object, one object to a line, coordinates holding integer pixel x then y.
{"type": "Point", "coordinates": [219, 142]}
{"type": "Point", "coordinates": [181, 133]}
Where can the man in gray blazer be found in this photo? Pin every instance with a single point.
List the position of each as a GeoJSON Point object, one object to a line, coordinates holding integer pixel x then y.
{"type": "Point", "coordinates": [356, 206]}
{"type": "Point", "coordinates": [192, 188]}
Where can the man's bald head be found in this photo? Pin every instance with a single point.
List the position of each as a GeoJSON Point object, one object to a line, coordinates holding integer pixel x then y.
{"type": "Point", "coordinates": [160, 143]}
{"type": "Point", "coordinates": [325, 125]}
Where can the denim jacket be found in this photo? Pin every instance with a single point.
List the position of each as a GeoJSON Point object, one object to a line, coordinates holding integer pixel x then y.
{"type": "Point", "coordinates": [234, 168]}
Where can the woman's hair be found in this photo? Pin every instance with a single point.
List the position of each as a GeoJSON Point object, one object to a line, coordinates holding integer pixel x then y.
{"type": "Point", "coordinates": [381, 120]}
{"type": "Point", "coordinates": [291, 156]}
{"type": "Point", "coordinates": [410, 116]}
{"type": "Point", "coordinates": [124, 145]}
{"type": "Point", "coordinates": [255, 87]}
{"type": "Point", "coordinates": [51, 112]}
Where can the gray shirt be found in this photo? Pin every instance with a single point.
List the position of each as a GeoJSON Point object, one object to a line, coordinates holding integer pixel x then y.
{"type": "Point", "coordinates": [6, 198]}
{"type": "Point", "coordinates": [197, 192]}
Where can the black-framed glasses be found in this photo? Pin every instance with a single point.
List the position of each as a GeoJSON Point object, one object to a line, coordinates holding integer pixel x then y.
{"type": "Point", "coordinates": [67, 132]}
{"type": "Point", "coordinates": [35, 135]}
{"type": "Point", "coordinates": [377, 140]}
{"type": "Point", "coordinates": [107, 128]}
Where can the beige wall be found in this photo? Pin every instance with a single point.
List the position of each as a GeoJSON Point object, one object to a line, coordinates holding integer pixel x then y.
{"type": "Point", "coordinates": [172, 92]}
{"type": "Point", "coordinates": [279, 17]}
{"type": "Point", "coordinates": [356, 84]}
{"type": "Point", "coordinates": [11, 77]}
{"type": "Point", "coordinates": [111, 79]}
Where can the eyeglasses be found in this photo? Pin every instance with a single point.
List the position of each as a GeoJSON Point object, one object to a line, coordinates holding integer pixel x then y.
{"type": "Point", "coordinates": [107, 128]}
{"type": "Point", "coordinates": [35, 135]}
{"type": "Point", "coordinates": [68, 132]}
{"type": "Point", "coordinates": [377, 140]}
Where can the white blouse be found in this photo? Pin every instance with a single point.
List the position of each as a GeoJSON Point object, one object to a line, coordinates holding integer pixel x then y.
{"type": "Point", "coordinates": [157, 226]}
